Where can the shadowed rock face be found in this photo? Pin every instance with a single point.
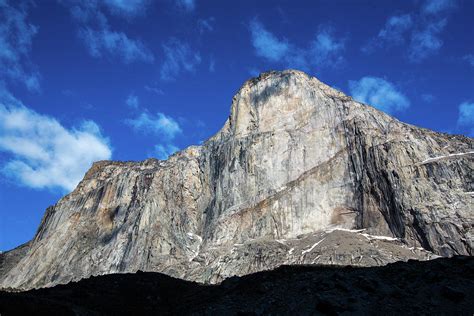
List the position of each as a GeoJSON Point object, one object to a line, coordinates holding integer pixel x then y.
{"type": "Point", "coordinates": [296, 170]}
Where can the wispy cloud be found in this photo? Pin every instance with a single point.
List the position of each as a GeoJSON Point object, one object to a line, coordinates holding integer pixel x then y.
{"type": "Point", "coordinates": [470, 59]}
{"type": "Point", "coordinates": [155, 90]}
{"type": "Point", "coordinates": [466, 118]}
{"type": "Point", "coordinates": [164, 151]}
{"type": "Point", "coordinates": [16, 36]}
{"type": "Point", "coordinates": [98, 36]}
{"type": "Point", "coordinates": [178, 58]}
{"type": "Point", "coordinates": [379, 93]}
{"type": "Point", "coordinates": [206, 25]}
{"type": "Point", "coordinates": [45, 154]}
{"type": "Point", "coordinates": [324, 51]}
{"type": "Point", "coordinates": [127, 8]}
{"type": "Point", "coordinates": [132, 101]}
{"type": "Point", "coordinates": [419, 31]}
{"type": "Point", "coordinates": [432, 7]}
{"type": "Point", "coordinates": [426, 41]}
{"type": "Point", "coordinates": [393, 33]}
{"type": "Point", "coordinates": [105, 42]}
{"type": "Point", "coordinates": [186, 5]}
{"type": "Point", "coordinates": [266, 44]}
{"type": "Point", "coordinates": [212, 64]}
{"type": "Point", "coordinates": [428, 98]}
{"type": "Point", "coordinates": [158, 125]}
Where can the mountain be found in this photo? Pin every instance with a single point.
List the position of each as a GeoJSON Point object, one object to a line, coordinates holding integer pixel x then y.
{"type": "Point", "coordinates": [442, 286]}
{"type": "Point", "coordinates": [299, 174]}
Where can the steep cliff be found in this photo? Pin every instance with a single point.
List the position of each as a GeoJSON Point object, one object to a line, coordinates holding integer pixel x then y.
{"type": "Point", "coordinates": [300, 173]}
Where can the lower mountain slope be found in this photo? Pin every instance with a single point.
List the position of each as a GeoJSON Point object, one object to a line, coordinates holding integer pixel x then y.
{"type": "Point", "coordinates": [442, 286]}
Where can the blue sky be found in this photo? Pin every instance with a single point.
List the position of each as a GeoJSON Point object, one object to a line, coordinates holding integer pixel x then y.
{"type": "Point", "coordinates": [127, 80]}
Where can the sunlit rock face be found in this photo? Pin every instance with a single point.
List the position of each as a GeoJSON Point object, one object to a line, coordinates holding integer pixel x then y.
{"type": "Point", "coordinates": [299, 174]}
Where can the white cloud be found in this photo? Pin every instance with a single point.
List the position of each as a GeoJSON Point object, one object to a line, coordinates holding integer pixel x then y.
{"type": "Point", "coordinates": [159, 125]}
{"type": "Point", "coordinates": [324, 51]}
{"type": "Point", "coordinates": [379, 93]}
{"type": "Point", "coordinates": [266, 44]}
{"type": "Point", "coordinates": [105, 42]}
{"type": "Point", "coordinates": [422, 30]}
{"type": "Point", "coordinates": [164, 151]}
{"type": "Point", "coordinates": [179, 57]}
{"type": "Point", "coordinates": [132, 101]}
{"type": "Point", "coordinates": [466, 117]}
{"type": "Point", "coordinates": [16, 36]}
{"type": "Point", "coordinates": [98, 36]}
{"type": "Point", "coordinates": [45, 154]}
{"type": "Point", "coordinates": [426, 41]}
{"type": "Point", "coordinates": [393, 33]}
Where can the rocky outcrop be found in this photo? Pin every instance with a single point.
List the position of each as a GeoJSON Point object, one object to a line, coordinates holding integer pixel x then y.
{"type": "Point", "coordinates": [300, 173]}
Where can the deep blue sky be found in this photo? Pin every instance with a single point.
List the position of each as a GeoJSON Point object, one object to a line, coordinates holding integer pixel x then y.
{"type": "Point", "coordinates": [128, 80]}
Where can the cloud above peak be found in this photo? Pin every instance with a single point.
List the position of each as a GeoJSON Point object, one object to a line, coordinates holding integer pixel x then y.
{"type": "Point", "coordinates": [325, 50]}
{"type": "Point", "coordinates": [419, 31]}
{"type": "Point", "coordinates": [266, 44]}
{"type": "Point", "coordinates": [43, 153]}
{"type": "Point", "coordinates": [379, 93]}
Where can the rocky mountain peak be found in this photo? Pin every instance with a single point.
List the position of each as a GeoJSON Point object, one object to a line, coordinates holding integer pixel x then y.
{"type": "Point", "coordinates": [299, 174]}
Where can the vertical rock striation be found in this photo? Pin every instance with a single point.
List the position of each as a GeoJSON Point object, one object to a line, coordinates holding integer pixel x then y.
{"type": "Point", "coordinates": [300, 173]}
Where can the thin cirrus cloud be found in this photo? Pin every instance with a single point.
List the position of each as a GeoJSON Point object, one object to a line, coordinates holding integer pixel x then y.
{"type": "Point", "coordinates": [16, 36]}
{"type": "Point", "coordinates": [179, 57]}
{"type": "Point", "coordinates": [325, 50]}
{"type": "Point", "coordinates": [469, 59]}
{"type": "Point", "coordinates": [132, 101]}
{"type": "Point", "coordinates": [379, 93]}
{"type": "Point", "coordinates": [105, 42]}
{"type": "Point", "coordinates": [466, 118]}
{"type": "Point", "coordinates": [206, 25]}
{"type": "Point", "coordinates": [100, 40]}
{"type": "Point", "coordinates": [127, 8]}
{"type": "Point", "coordinates": [186, 5]}
{"type": "Point", "coordinates": [419, 31]}
{"type": "Point", "coordinates": [45, 154]}
{"type": "Point", "coordinates": [158, 125]}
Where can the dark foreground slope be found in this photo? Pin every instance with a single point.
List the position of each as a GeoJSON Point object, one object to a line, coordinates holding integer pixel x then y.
{"type": "Point", "coordinates": [441, 286]}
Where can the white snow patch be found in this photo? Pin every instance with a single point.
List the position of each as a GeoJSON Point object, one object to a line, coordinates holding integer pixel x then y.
{"type": "Point", "coordinates": [312, 247]}
{"type": "Point", "coordinates": [370, 237]}
{"type": "Point", "coordinates": [291, 251]}
{"type": "Point", "coordinates": [446, 156]}
{"type": "Point", "coordinates": [280, 241]}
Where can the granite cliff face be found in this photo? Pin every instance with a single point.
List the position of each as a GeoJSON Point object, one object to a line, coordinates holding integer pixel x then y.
{"type": "Point", "coordinates": [300, 173]}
